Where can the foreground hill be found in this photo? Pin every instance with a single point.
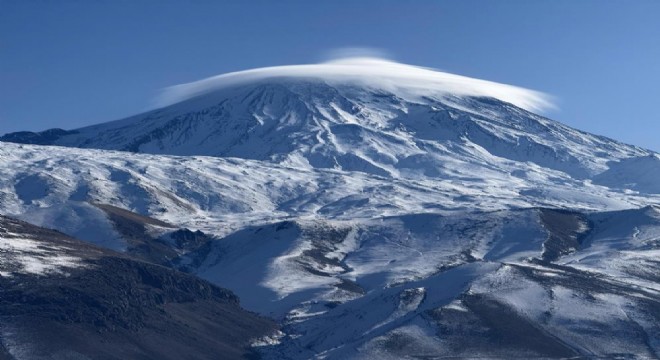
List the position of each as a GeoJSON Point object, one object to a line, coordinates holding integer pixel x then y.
{"type": "Point", "coordinates": [61, 298]}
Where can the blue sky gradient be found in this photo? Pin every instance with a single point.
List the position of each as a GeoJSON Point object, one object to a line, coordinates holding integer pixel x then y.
{"type": "Point", "coordinates": [73, 63]}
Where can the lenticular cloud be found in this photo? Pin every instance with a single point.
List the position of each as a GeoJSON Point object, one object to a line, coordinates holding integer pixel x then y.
{"type": "Point", "coordinates": [401, 79]}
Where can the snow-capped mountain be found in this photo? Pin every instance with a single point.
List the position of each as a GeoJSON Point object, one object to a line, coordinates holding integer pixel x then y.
{"type": "Point", "coordinates": [374, 209]}
{"type": "Point", "coordinates": [363, 115]}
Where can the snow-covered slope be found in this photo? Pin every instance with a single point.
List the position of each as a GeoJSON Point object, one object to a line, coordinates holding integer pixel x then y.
{"type": "Point", "coordinates": [51, 186]}
{"type": "Point", "coordinates": [554, 283]}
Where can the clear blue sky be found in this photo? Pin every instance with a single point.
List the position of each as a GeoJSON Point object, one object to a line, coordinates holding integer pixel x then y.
{"type": "Point", "coordinates": [73, 63]}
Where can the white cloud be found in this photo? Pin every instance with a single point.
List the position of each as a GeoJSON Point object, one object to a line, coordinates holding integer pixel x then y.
{"type": "Point", "coordinates": [404, 80]}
